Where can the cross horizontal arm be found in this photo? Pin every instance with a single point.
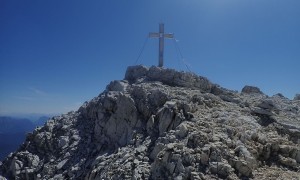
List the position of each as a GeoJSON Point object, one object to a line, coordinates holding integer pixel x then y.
{"type": "Point", "coordinates": [170, 36]}
{"type": "Point", "coordinates": [154, 35]}
{"type": "Point", "coordinates": [157, 35]}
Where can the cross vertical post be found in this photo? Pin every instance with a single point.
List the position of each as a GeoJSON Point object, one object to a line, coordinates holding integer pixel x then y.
{"type": "Point", "coordinates": [161, 36]}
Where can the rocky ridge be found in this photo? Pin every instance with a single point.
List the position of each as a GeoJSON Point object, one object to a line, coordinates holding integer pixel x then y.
{"type": "Point", "coordinates": [162, 124]}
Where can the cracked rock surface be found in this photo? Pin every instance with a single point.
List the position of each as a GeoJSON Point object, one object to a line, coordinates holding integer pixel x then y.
{"type": "Point", "coordinates": [162, 124]}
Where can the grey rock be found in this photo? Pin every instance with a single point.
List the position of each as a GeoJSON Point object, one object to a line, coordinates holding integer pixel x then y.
{"type": "Point", "coordinates": [296, 155]}
{"type": "Point", "coordinates": [182, 130]}
{"type": "Point", "coordinates": [150, 124]}
{"type": "Point", "coordinates": [135, 72]}
{"type": "Point", "coordinates": [157, 98]}
{"type": "Point", "coordinates": [29, 173]}
{"type": "Point", "coordinates": [165, 118]}
{"type": "Point", "coordinates": [169, 77]}
{"type": "Point", "coordinates": [220, 168]}
{"type": "Point", "coordinates": [243, 168]}
{"type": "Point", "coordinates": [297, 97]}
{"type": "Point", "coordinates": [195, 176]}
{"type": "Point", "coordinates": [16, 166]}
{"type": "Point", "coordinates": [262, 111]}
{"type": "Point", "coordinates": [33, 160]}
{"type": "Point", "coordinates": [204, 156]}
{"type": "Point", "coordinates": [267, 104]}
{"type": "Point", "coordinates": [63, 141]}
{"type": "Point", "coordinates": [162, 124]}
{"type": "Point", "coordinates": [58, 177]}
{"type": "Point", "coordinates": [285, 149]}
{"type": "Point", "coordinates": [251, 89]}
{"type": "Point", "coordinates": [2, 178]}
{"type": "Point", "coordinates": [117, 86]}
{"type": "Point", "coordinates": [287, 161]}
{"type": "Point", "coordinates": [243, 152]}
{"type": "Point", "coordinates": [61, 164]}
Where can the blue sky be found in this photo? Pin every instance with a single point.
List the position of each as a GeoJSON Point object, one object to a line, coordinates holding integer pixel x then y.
{"type": "Point", "coordinates": [54, 55]}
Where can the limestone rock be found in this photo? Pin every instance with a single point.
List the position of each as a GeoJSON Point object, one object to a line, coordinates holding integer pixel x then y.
{"type": "Point", "coordinates": [159, 123]}
{"type": "Point", "coordinates": [220, 168]}
{"type": "Point", "coordinates": [288, 161]}
{"type": "Point", "coordinates": [2, 178]}
{"type": "Point", "coordinates": [261, 111]}
{"type": "Point", "coordinates": [117, 86]}
{"type": "Point", "coordinates": [297, 97]}
{"type": "Point", "coordinates": [169, 77]}
{"type": "Point", "coordinates": [182, 130]}
{"type": "Point", "coordinates": [135, 72]}
{"type": "Point", "coordinates": [63, 141]}
{"type": "Point", "coordinates": [243, 168]}
{"type": "Point", "coordinates": [267, 104]}
{"type": "Point", "coordinates": [251, 89]}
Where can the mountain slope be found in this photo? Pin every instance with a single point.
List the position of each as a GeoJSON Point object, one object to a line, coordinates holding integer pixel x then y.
{"type": "Point", "coordinates": [162, 124]}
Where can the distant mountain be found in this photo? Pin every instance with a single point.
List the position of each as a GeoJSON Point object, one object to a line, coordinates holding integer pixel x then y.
{"type": "Point", "coordinates": [9, 142]}
{"type": "Point", "coordinates": [15, 125]}
{"type": "Point", "coordinates": [13, 132]}
{"type": "Point", "coordinates": [30, 116]}
{"type": "Point", "coordinates": [41, 121]}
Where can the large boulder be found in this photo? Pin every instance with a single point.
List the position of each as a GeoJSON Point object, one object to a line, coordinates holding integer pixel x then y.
{"type": "Point", "coordinates": [170, 77]}
{"type": "Point", "coordinates": [251, 89]}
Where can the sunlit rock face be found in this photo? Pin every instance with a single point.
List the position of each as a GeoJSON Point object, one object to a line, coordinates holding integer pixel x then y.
{"type": "Point", "coordinates": [159, 123]}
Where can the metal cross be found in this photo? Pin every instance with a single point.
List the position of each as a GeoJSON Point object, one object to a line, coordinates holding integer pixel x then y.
{"type": "Point", "coordinates": [161, 35]}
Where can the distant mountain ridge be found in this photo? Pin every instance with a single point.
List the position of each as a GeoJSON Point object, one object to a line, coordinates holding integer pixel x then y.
{"type": "Point", "coordinates": [40, 121]}
{"type": "Point", "coordinates": [13, 125]}
{"type": "Point", "coordinates": [13, 131]}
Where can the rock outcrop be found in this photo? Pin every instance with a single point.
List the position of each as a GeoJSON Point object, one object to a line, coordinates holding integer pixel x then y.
{"type": "Point", "coordinates": [251, 89]}
{"type": "Point", "coordinates": [297, 97]}
{"type": "Point", "coordinates": [162, 124]}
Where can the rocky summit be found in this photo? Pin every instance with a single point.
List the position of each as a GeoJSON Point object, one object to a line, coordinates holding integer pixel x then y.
{"type": "Point", "coordinates": [159, 123]}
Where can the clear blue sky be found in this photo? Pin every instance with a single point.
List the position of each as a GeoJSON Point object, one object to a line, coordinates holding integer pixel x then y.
{"type": "Point", "coordinates": [54, 54]}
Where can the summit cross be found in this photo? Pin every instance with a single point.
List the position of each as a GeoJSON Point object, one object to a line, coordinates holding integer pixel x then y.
{"type": "Point", "coordinates": [161, 35]}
